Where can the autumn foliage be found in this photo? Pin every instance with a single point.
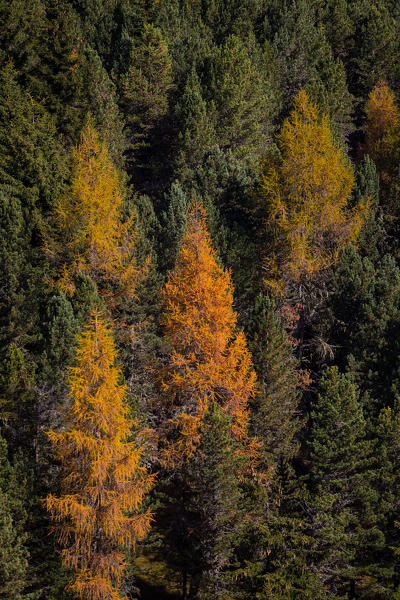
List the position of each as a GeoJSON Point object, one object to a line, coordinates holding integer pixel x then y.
{"type": "Point", "coordinates": [102, 479]}
{"type": "Point", "coordinates": [93, 238]}
{"type": "Point", "coordinates": [209, 359]}
{"type": "Point", "coordinates": [382, 128]}
{"type": "Point", "coordinates": [305, 196]}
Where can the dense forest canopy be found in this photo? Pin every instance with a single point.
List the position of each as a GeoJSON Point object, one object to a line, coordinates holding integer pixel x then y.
{"type": "Point", "coordinates": [199, 299]}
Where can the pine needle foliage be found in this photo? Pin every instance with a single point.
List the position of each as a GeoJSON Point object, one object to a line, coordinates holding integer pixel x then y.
{"type": "Point", "coordinates": [103, 482]}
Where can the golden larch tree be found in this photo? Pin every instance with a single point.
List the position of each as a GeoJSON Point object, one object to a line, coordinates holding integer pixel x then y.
{"type": "Point", "coordinates": [304, 197]}
{"type": "Point", "coordinates": [209, 359]}
{"type": "Point", "coordinates": [93, 237]}
{"type": "Point", "coordinates": [103, 481]}
{"type": "Point", "coordinates": [382, 129]}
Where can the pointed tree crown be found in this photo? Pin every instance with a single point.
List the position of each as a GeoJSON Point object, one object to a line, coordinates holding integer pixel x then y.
{"type": "Point", "coordinates": [103, 482]}
{"type": "Point", "coordinates": [306, 195]}
{"type": "Point", "coordinates": [209, 359]}
{"type": "Point", "coordinates": [93, 238]}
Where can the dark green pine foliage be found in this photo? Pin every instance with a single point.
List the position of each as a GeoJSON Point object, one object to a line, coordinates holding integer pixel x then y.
{"type": "Point", "coordinates": [146, 84]}
{"type": "Point", "coordinates": [202, 517]}
{"type": "Point", "coordinates": [237, 100]}
{"type": "Point", "coordinates": [100, 25]}
{"type": "Point", "coordinates": [58, 78]}
{"type": "Point", "coordinates": [224, 183]}
{"type": "Point", "coordinates": [376, 46]}
{"type": "Point", "coordinates": [14, 556]}
{"type": "Point", "coordinates": [386, 557]}
{"type": "Point", "coordinates": [17, 400]}
{"type": "Point", "coordinates": [327, 86]}
{"type": "Point", "coordinates": [60, 330]}
{"type": "Point", "coordinates": [342, 501]}
{"type": "Point", "coordinates": [173, 226]}
{"type": "Point", "coordinates": [196, 128]}
{"type": "Point", "coordinates": [32, 169]}
{"type": "Point", "coordinates": [304, 59]}
{"type": "Point", "coordinates": [86, 298]}
{"type": "Point", "coordinates": [365, 321]}
{"type": "Point", "coordinates": [111, 28]}
{"type": "Point", "coordinates": [373, 240]}
{"type": "Point", "coordinates": [336, 16]}
{"type": "Point", "coordinates": [21, 25]}
{"type": "Point", "coordinates": [190, 41]}
{"type": "Point", "coordinates": [145, 88]}
{"type": "Point", "coordinates": [225, 17]}
{"type": "Point", "coordinates": [274, 410]}
{"type": "Point", "coordinates": [32, 161]}
{"type": "Point", "coordinates": [274, 554]}
{"type": "Point", "coordinates": [140, 334]}
{"type": "Point", "coordinates": [101, 100]}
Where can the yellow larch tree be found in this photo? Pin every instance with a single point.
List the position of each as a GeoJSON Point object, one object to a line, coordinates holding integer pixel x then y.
{"type": "Point", "coordinates": [382, 129]}
{"type": "Point", "coordinates": [304, 197]}
{"type": "Point", "coordinates": [103, 482]}
{"type": "Point", "coordinates": [209, 359]}
{"type": "Point", "coordinates": [93, 237]}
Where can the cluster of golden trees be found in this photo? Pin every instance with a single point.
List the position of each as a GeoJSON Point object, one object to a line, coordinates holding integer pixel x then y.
{"type": "Point", "coordinates": [303, 194]}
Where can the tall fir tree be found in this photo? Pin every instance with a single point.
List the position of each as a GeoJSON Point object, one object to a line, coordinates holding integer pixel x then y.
{"type": "Point", "coordinates": [203, 515]}
{"type": "Point", "coordinates": [342, 497]}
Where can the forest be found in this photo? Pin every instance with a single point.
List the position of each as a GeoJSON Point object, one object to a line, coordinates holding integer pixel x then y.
{"type": "Point", "coordinates": [199, 299]}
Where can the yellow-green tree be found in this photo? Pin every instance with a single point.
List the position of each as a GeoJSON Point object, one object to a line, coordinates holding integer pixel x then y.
{"type": "Point", "coordinates": [304, 197]}
{"type": "Point", "coordinates": [209, 360]}
{"type": "Point", "coordinates": [103, 482]}
{"type": "Point", "coordinates": [382, 129]}
{"type": "Point", "coordinates": [93, 238]}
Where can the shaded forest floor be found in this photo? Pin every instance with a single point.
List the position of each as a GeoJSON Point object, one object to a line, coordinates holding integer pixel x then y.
{"type": "Point", "coordinates": [155, 580]}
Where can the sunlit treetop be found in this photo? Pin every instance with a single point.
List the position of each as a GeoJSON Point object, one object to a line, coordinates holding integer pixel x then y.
{"type": "Point", "coordinates": [209, 359]}
{"type": "Point", "coordinates": [304, 196]}
{"type": "Point", "coordinates": [93, 238]}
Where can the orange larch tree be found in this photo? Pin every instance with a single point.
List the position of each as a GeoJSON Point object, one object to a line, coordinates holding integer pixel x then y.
{"type": "Point", "coordinates": [382, 129]}
{"type": "Point", "coordinates": [209, 359]}
{"type": "Point", "coordinates": [103, 482]}
{"type": "Point", "coordinates": [93, 237]}
{"type": "Point", "coordinates": [304, 196]}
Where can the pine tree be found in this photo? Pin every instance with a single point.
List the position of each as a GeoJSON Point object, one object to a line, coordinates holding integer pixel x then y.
{"type": "Point", "coordinates": [197, 131]}
{"type": "Point", "coordinates": [17, 400]}
{"type": "Point", "coordinates": [208, 359]}
{"type": "Point", "coordinates": [343, 497]}
{"type": "Point", "coordinates": [32, 170]}
{"type": "Point", "coordinates": [146, 83]}
{"type": "Point", "coordinates": [103, 482]}
{"type": "Point", "coordinates": [101, 101]}
{"type": "Point", "coordinates": [60, 328]}
{"type": "Point", "coordinates": [364, 305]}
{"type": "Point", "coordinates": [174, 225]}
{"type": "Point", "coordinates": [203, 516]}
{"type": "Point", "coordinates": [237, 100]}
{"type": "Point", "coordinates": [93, 240]}
{"type": "Point", "coordinates": [304, 59]}
{"type": "Point", "coordinates": [387, 484]}
{"type": "Point", "coordinates": [375, 48]}
{"type": "Point", "coordinates": [273, 416]}
{"type": "Point", "coordinates": [13, 553]}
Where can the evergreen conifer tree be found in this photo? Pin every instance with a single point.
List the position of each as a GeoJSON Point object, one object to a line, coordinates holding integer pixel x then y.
{"type": "Point", "coordinates": [203, 516]}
